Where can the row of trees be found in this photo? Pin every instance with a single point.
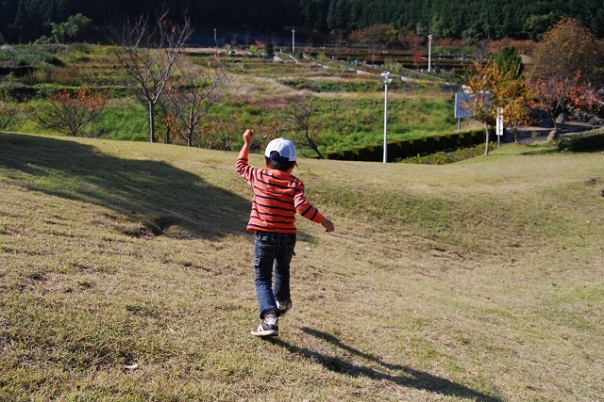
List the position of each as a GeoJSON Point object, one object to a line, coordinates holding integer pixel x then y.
{"type": "Point", "coordinates": [569, 61]}
{"type": "Point", "coordinates": [28, 20]}
{"type": "Point", "coordinates": [475, 19]}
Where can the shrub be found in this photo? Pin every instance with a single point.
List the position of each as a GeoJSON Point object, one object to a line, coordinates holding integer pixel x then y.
{"type": "Point", "coordinates": [586, 141]}
{"type": "Point", "coordinates": [443, 158]}
{"type": "Point", "coordinates": [8, 114]}
{"type": "Point", "coordinates": [68, 112]}
{"type": "Point", "coordinates": [411, 147]}
{"type": "Point", "coordinates": [29, 56]}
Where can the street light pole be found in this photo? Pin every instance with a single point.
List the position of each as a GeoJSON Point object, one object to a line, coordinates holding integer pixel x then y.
{"type": "Point", "coordinates": [430, 52]}
{"type": "Point", "coordinates": [386, 79]}
{"type": "Point", "coordinates": [293, 41]}
{"type": "Point", "coordinates": [215, 41]}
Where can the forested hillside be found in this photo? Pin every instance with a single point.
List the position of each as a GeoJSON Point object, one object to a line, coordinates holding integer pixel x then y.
{"type": "Point", "coordinates": [27, 20]}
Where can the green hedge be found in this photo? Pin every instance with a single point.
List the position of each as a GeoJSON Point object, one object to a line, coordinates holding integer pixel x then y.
{"type": "Point", "coordinates": [401, 149]}
{"type": "Point", "coordinates": [585, 141]}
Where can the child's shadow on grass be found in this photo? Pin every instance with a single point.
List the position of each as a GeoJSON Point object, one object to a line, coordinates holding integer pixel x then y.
{"type": "Point", "coordinates": [395, 373]}
{"type": "Point", "coordinates": [153, 194]}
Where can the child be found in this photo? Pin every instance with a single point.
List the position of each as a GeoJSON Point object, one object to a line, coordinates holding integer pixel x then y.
{"type": "Point", "coordinates": [277, 197]}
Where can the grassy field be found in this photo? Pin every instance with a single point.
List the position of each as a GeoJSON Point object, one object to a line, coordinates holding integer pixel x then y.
{"type": "Point", "coordinates": [125, 275]}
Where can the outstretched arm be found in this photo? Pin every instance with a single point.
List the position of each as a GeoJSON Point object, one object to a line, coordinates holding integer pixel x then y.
{"type": "Point", "coordinates": [328, 225]}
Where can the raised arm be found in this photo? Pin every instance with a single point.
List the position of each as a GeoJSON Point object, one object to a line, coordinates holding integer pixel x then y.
{"type": "Point", "coordinates": [242, 166]}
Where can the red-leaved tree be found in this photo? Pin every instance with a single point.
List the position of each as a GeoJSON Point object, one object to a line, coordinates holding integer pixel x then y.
{"type": "Point", "coordinates": [68, 112]}
{"type": "Point", "coordinates": [555, 96]}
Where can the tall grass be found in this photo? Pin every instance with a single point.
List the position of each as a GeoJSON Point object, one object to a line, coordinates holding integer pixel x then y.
{"type": "Point", "coordinates": [123, 120]}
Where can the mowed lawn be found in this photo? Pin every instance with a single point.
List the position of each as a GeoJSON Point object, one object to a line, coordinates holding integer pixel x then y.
{"type": "Point", "coordinates": [125, 275]}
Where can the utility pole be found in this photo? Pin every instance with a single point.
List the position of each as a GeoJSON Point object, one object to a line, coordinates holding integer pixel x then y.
{"type": "Point", "coordinates": [430, 52]}
{"type": "Point", "coordinates": [386, 79]}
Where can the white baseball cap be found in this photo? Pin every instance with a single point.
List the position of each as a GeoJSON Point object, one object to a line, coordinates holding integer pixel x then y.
{"type": "Point", "coordinates": [285, 148]}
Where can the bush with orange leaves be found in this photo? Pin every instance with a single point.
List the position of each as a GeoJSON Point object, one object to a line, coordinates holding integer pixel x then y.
{"type": "Point", "coordinates": [69, 112]}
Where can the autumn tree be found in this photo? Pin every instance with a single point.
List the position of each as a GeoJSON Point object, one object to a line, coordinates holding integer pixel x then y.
{"type": "Point", "coordinates": [566, 49]}
{"type": "Point", "coordinates": [509, 90]}
{"type": "Point", "coordinates": [593, 101]}
{"type": "Point", "coordinates": [375, 35]}
{"type": "Point", "coordinates": [567, 69]}
{"type": "Point", "coordinates": [498, 88]}
{"type": "Point", "coordinates": [480, 84]}
{"type": "Point", "coordinates": [149, 53]}
{"type": "Point", "coordinates": [414, 43]}
{"type": "Point", "coordinates": [556, 96]}
{"type": "Point", "coordinates": [69, 113]}
{"type": "Point", "coordinates": [218, 134]}
{"type": "Point", "coordinates": [514, 99]}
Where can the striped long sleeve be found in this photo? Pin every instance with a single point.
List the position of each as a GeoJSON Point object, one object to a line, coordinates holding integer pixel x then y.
{"type": "Point", "coordinates": [277, 197]}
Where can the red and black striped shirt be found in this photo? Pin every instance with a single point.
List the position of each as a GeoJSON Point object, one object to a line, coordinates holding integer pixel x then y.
{"type": "Point", "coordinates": [277, 197]}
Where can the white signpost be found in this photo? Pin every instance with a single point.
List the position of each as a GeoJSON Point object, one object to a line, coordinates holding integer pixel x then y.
{"type": "Point", "coordinates": [499, 125]}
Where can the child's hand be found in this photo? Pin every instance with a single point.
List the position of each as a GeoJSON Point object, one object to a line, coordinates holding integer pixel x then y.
{"type": "Point", "coordinates": [328, 225]}
{"type": "Point", "coordinates": [248, 137]}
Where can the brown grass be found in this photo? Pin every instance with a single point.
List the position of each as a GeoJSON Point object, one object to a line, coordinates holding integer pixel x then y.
{"type": "Point", "coordinates": [125, 275]}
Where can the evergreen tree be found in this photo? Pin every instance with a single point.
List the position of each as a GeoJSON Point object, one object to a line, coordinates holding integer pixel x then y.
{"type": "Point", "coordinates": [509, 62]}
{"type": "Point", "coordinates": [27, 20]}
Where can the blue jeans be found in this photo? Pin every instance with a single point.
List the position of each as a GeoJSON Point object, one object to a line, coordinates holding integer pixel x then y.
{"type": "Point", "coordinates": [273, 252]}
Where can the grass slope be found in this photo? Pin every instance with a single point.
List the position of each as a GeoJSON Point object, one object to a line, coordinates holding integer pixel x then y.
{"type": "Point", "coordinates": [125, 274]}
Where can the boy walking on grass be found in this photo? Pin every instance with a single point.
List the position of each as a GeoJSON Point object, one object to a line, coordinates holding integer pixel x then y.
{"type": "Point", "coordinates": [277, 197]}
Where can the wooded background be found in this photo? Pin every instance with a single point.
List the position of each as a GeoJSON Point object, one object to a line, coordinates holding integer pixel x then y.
{"type": "Point", "coordinates": [314, 20]}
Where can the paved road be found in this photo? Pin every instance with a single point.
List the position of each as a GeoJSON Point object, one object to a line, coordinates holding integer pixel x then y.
{"type": "Point", "coordinates": [531, 134]}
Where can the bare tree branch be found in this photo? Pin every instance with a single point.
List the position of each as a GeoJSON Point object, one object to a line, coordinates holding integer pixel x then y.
{"type": "Point", "coordinates": [149, 53]}
{"type": "Point", "coordinates": [299, 120]}
{"type": "Point", "coordinates": [192, 96]}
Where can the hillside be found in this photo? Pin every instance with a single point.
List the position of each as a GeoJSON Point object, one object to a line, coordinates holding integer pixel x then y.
{"type": "Point", "coordinates": [125, 274]}
{"type": "Point", "coordinates": [345, 104]}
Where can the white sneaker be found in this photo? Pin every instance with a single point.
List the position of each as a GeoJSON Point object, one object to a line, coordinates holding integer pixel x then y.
{"type": "Point", "coordinates": [269, 327]}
